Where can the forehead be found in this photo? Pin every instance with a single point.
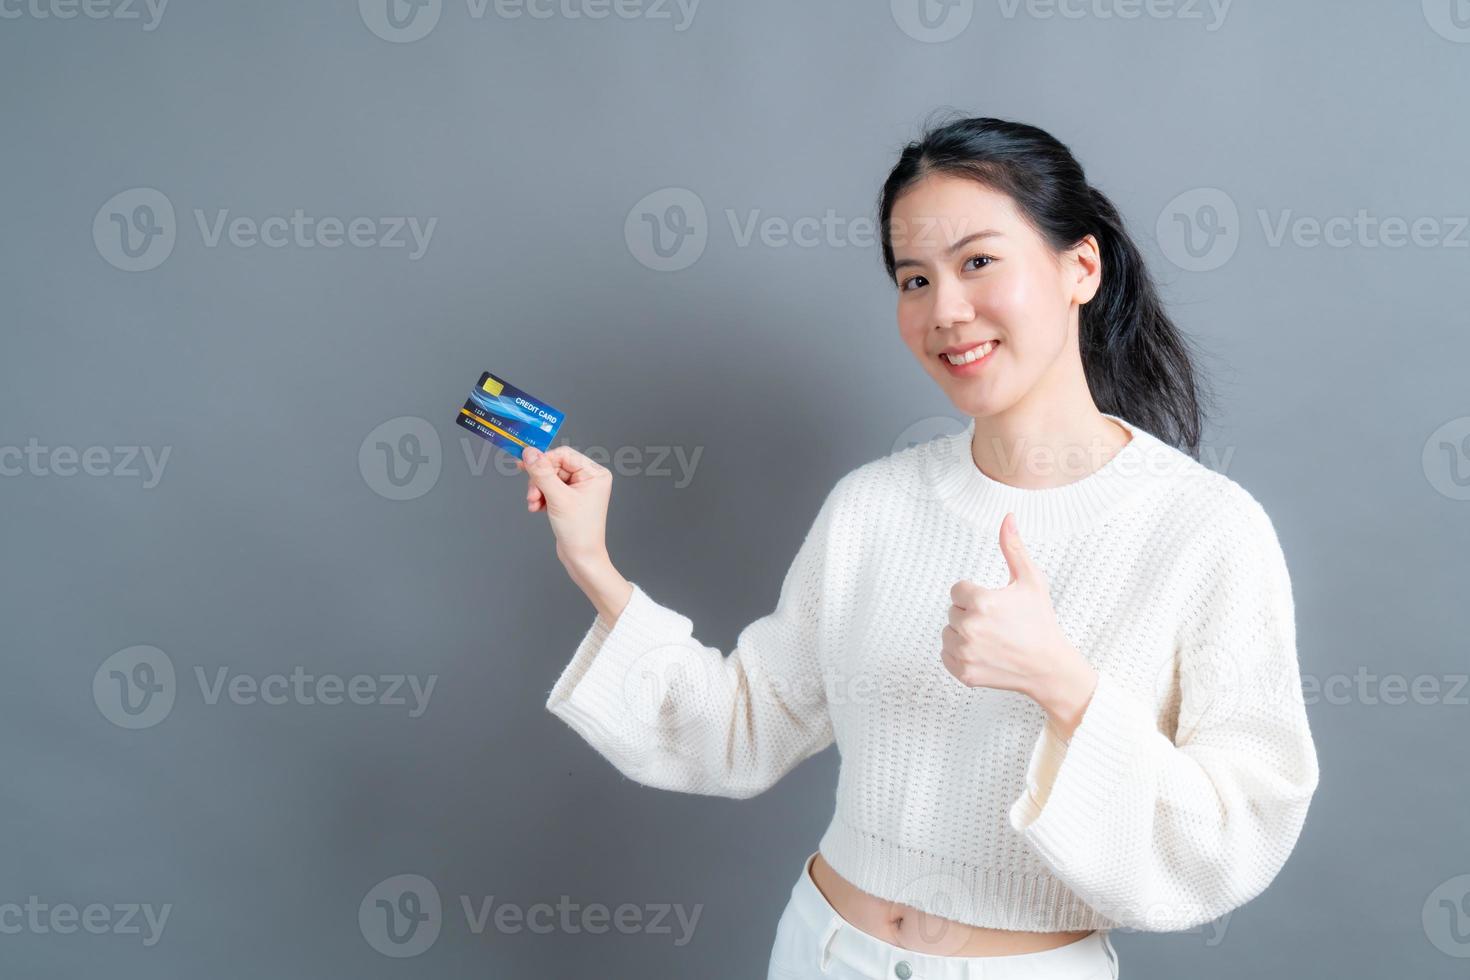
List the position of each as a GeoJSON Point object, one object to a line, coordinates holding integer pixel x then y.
{"type": "Point", "coordinates": [941, 209]}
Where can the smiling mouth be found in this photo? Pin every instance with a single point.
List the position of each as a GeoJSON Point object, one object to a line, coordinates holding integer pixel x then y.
{"type": "Point", "coordinates": [970, 356]}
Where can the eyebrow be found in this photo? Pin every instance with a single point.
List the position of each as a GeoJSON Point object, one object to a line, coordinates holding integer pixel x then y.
{"type": "Point", "coordinates": [987, 233]}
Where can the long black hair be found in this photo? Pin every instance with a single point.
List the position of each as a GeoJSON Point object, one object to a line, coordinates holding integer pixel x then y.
{"type": "Point", "coordinates": [1137, 363]}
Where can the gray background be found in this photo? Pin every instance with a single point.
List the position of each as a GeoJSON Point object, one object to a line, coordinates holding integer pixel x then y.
{"type": "Point", "coordinates": [267, 546]}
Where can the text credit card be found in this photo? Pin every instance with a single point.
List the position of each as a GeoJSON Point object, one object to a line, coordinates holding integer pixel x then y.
{"type": "Point", "coordinates": [499, 411]}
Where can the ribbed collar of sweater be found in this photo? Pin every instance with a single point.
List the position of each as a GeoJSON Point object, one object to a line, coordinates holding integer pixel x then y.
{"type": "Point", "coordinates": [1146, 461]}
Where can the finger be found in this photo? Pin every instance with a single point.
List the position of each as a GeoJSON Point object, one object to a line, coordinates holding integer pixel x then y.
{"type": "Point", "coordinates": [964, 673]}
{"type": "Point", "coordinates": [571, 465]}
{"type": "Point", "coordinates": [545, 472]}
{"type": "Point", "coordinates": [961, 621]}
{"type": "Point", "coordinates": [1018, 559]}
{"type": "Point", "coordinates": [966, 594]}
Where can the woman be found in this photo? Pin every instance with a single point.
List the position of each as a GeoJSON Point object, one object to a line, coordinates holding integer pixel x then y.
{"type": "Point", "coordinates": [1057, 653]}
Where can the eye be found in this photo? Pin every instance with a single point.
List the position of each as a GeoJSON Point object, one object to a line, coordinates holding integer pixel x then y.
{"type": "Point", "coordinates": [988, 259]}
{"type": "Point", "coordinates": [903, 285]}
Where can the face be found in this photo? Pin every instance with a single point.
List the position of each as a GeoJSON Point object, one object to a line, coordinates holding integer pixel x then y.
{"type": "Point", "coordinates": [970, 272]}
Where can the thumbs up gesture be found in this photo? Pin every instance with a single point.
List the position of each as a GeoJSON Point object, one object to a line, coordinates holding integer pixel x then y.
{"type": "Point", "coordinates": [1009, 638]}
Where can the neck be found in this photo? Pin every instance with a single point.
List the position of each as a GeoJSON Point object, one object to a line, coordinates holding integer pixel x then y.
{"type": "Point", "coordinates": [1068, 504]}
{"type": "Point", "coordinates": [1045, 445]}
{"type": "Point", "coordinates": [1055, 434]}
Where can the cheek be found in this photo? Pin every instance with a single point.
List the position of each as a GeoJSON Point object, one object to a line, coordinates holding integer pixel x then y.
{"type": "Point", "coordinates": [1007, 299]}
{"type": "Point", "coordinates": [1028, 311]}
{"type": "Point", "coordinates": [912, 324]}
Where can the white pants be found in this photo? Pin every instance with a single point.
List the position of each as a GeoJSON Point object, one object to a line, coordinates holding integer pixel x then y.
{"type": "Point", "coordinates": [813, 942]}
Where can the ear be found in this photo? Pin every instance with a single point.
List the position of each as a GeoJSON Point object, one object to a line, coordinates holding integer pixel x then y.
{"type": "Point", "coordinates": [1084, 275]}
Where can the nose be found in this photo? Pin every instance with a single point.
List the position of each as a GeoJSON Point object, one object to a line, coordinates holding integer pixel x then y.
{"type": "Point", "coordinates": [951, 305]}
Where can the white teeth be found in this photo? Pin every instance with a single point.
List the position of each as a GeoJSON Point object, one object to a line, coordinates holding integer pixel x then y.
{"type": "Point", "coordinates": [972, 355]}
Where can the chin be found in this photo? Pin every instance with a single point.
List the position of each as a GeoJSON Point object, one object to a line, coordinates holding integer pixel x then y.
{"type": "Point", "coordinates": [975, 400]}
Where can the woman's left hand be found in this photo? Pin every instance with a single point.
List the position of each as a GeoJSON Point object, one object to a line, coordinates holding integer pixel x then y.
{"type": "Point", "coordinates": [1009, 638]}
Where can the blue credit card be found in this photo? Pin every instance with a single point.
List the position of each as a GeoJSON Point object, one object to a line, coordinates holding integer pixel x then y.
{"type": "Point", "coordinates": [511, 419]}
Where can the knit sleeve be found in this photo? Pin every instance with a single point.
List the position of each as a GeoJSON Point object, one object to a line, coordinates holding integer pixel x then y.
{"type": "Point", "coordinates": [671, 713]}
{"type": "Point", "coordinates": [1163, 834]}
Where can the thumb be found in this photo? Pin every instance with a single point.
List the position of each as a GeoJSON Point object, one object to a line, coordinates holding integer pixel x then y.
{"type": "Point", "coordinates": [543, 473]}
{"type": "Point", "coordinates": [1018, 559]}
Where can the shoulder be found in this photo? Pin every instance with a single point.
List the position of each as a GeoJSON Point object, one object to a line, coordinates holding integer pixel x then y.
{"type": "Point", "coordinates": [1228, 515]}
{"type": "Point", "coordinates": [871, 496]}
{"type": "Point", "coordinates": [1202, 504]}
{"type": "Point", "coordinates": [1230, 558]}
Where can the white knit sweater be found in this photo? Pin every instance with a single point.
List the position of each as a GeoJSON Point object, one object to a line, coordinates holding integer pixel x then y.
{"type": "Point", "coordinates": [1179, 795]}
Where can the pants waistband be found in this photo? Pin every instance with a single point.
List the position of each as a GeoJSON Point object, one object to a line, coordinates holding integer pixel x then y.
{"type": "Point", "coordinates": [872, 956]}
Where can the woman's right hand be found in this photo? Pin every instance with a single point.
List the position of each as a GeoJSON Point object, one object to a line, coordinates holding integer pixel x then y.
{"type": "Point", "coordinates": [574, 491]}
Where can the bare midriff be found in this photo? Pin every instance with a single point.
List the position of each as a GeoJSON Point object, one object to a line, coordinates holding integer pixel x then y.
{"type": "Point", "coordinates": [907, 927]}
